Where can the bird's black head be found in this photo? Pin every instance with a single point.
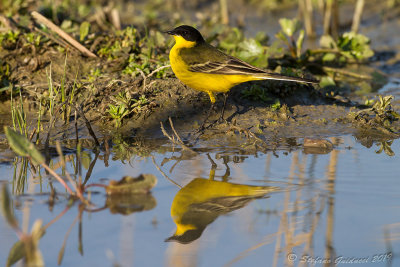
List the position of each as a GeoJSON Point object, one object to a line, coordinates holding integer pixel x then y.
{"type": "Point", "coordinates": [188, 33]}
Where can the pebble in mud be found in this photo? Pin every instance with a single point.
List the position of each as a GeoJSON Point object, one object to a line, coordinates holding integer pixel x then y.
{"type": "Point", "coordinates": [317, 146]}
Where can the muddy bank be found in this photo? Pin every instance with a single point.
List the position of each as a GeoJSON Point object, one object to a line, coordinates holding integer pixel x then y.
{"type": "Point", "coordinates": [128, 90]}
{"type": "Point", "coordinates": [286, 111]}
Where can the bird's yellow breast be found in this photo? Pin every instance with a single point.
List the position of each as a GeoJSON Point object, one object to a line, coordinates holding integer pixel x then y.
{"type": "Point", "coordinates": [205, 82]}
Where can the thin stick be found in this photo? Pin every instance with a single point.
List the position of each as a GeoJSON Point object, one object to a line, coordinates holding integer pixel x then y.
{"type": "Point", "coordinates": [224, 12]}
{"type": "Point", "coordinates": [41, 19]}
{"type": "Point", "coordinates": [163, 174]}
{"type": "Point", "coordinates": [55, 39]}
{"type": "Point", "coordinates": [62, 160]}
{"type": "Point", "coordinates": [55, 175]}
{"type": "Point", "coordinates": [151, 74]}
{"type": "Point", "coordinates": [9, 23]}
{"type": "Point", "coordinates": [177, 135]}
{"type": "Point", "coordinates": [357, 15]}
{"type": "Point", "coordinates": [115, 18]}
{"type": "Point", "coordinates": [88, 126]}
{"type": "Point", "coordinates": [56, 218]}
{"type": "Point", "coordinates": [157, 70]}
{"type": "Point", "coordinates": [247, 133]}
{"type": "Point", "coordinates": [51, 125]}
{"type": "Point", "coordinates": [307, 12]}
{"type": "Point", "coordinates": [327, 16]}
{"type": "Point", "coordinates": [179, 142]}
{"type": "Point", "coordinates": [348, 73]}
{"type": "Point", "coordinates": [61, 252]}
{"type": "Point", "coordinates": [95, 185]}
{"type": "Point", "coordinates": [143, 76]}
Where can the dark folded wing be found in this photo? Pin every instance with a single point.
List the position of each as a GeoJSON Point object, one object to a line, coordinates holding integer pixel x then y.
{"type": "Point", "coordinates": [207, 59]}
{"type": "Point", "coordinates": [230, 66]}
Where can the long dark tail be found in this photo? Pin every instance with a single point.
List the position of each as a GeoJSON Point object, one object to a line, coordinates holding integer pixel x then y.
{"type": "Point", "coordinates": [280, 77]}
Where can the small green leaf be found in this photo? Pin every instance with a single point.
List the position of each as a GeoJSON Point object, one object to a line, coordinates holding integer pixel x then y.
{"type": "Point", "coordinates": [299, 42]}
{"type": "Point", "coordinates": [250, 48]}
{"type": "Point", "coordinates": [329, 57]}
{"type": "Point", "coordinates": [289, 26]}
{"type": "Point", "coordinates": [22, 146]}
{"type": "Point", "coordinates": [33, 254]}
{"type": "Point", "coordinates": [61, 254]}
{"type": "Point", "coordinates": [84, 30]}
{"type": "Point", "coordinates": [128, 185]}
{"type": "Point", "coordinates": [276, 105]}
{"type": "Point", "coordinates": [281, 37]}
{"type": "Point", "coordinates": [66, 24]}
{"type": "Point", "coordinates": [6, 207]}
{"type": "Point", "coordinates": [17, 252]}
{"type": "Point", "coordinates": [326, 81]}
{"type": "Point", "coordinates": [327, 41]}
{"type": "Point", "coordinates": [86, 159]}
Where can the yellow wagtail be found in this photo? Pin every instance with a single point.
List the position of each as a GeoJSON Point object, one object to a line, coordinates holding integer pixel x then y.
{"type": "Point", "coordinates": [202, 201]}
{"type": "Point", "coordinates": [203, 67]}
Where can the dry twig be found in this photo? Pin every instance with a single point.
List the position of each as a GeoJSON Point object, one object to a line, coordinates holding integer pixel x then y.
{"type": "Point", "coordinates": [41, 19]}
{"type": "Point", "coordinates": [178, 140]}
{"type": "Point", "coordinates": [163, 174]}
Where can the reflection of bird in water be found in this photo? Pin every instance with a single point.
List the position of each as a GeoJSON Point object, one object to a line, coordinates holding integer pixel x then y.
{"type": "Point", "coordinates": [201, 201]}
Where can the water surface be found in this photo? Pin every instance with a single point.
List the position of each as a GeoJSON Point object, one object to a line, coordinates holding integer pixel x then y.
{"type": "Point", "coordinates": [343, 205]}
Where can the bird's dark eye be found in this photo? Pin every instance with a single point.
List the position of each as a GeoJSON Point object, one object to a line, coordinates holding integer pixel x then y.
{"type": "Point", "coordinates": [185, 33]}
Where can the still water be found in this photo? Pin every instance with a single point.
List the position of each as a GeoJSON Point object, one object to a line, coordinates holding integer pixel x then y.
{"type": "Point", "coordinates": [301, 210]}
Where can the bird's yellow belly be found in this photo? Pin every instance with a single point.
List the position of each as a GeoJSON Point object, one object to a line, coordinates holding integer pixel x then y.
{"type": "Point", "coordinates": [205, 82]}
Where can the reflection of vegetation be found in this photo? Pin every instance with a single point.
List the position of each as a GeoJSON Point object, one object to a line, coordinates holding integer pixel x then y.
{"type": "Point", "coordinates": [118, 201]}
{"type": "Point", "coordinates": [128, 203]}
{"type": "Point", "coordinates": [385, 146]}
{"type": "Point", "coordinates": [28, 245]}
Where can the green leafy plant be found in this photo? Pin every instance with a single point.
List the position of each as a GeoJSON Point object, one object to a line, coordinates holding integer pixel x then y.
{"type": "Point", "coordinates": [18, 115]}
{"type": "Point", "coordinates": [381, 116]}
{"type": "Point", "coordinates": [122, 43]}
{"type": "Point", "coordinates": [84, 30]}
{"type": "Point", "coordinates": [117, 113]}
{"type": "Point", "coordinates": [33, 39]}
{"type": "Point", "coordinates": [289, 29]}
{"type": "Point", "coordinates": [9, 39]}
{"type": "Point", "coordinates": [139, 103]}
{"type": "Point", "coordinates": [276, 106]}
{"type": "Point", "coordinates": [355, 46]}
{"type": "Point", "coordinates": [252, 50]}
{"type": "Point", "coordinates": [12, 7]}
{"type": "Point", "coordinates": [123, 105]}
{"type": "Point", "coordinates": [349, 46]}
{"type": "Point", "coordinates": [256, 93]}
{"type": "Point", "coordinates": [121, 108]}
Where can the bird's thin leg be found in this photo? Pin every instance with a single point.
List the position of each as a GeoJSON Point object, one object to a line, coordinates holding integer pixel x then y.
{"type": "Point", "coordinates": [208, 115]}
{"type": "Point", "coordinates": [221, 118]}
